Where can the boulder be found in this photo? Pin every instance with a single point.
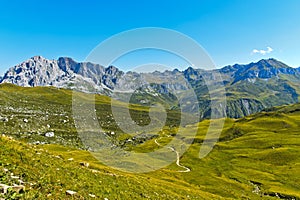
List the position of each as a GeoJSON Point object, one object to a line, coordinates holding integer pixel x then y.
{"type": "Point", "coordinates": [3, 188]}
{"type": "Point", "coordinates": [49, 134]}
{"type": "Point", "coordinates": [18, 188]}
{"type": "Point", "coordinates": [70, 192]}
{"type": "Point", "coordinates": [85, 164]}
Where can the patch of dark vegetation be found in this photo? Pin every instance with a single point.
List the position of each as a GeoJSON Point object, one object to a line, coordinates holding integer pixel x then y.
{"type": "Point", "coordinates": [231, 134]}
{"type": "Point", "coordinates": [280, 196]}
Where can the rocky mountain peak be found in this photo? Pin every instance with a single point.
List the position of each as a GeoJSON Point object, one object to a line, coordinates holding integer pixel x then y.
{"type": "Point", "coordinates": [64, 72]}
{"type": "Point", "coordinates": [38, 58]}
{"type": "Point", "coordinates": [271, 63]}
{"type": "Point", "coordinates": [264, 69]}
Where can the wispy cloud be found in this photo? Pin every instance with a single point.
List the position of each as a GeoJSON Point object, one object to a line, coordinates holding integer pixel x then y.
{"type": "Point", "coordinates": [261, 51]}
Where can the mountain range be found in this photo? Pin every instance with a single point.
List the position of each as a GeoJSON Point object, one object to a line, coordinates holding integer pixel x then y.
{"type": "Point", "coordinates": [249, 88]}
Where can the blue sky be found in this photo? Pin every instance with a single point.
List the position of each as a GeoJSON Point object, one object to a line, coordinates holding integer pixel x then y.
{"type": "Point", "coordinates": [228, 30]}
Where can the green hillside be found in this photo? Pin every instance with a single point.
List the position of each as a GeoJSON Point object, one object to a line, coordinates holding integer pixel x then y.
{"type": "Point", "coordinates": [257, 157]}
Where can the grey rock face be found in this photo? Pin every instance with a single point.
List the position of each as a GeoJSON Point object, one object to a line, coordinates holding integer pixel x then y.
{"type": "Point", "coordinates": [64, 72]}
{"type": "Point", "coordinates": [36, 71]}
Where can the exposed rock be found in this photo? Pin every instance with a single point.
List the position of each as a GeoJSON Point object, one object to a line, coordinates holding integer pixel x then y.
{"type": "Point", "coordinates": [18, 188]}
{"type": "Point", "coordinates": [4, 119]}
{"type": "Point", "coordinates": [70, 192]}
{"type": "Point", "coordinates": [49, 134]}
{"type": "Point", "coordinates": [85, 164]}
{"type": "Point", "coordinates": [64, 72]}
{"type": "Point", "coordinates": [263, 69]}
{"type": "Point", "coordinates": [3, 188]}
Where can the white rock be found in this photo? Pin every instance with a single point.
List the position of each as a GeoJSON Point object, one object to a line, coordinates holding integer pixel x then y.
{"type": "Point", "coordinates": [49, 134]}
{"type": "Point", "coordinates": [3, 188]}
{"type": "Point", "coordinates": [4, 119]}
{"type": "Point", "coordinates": [70, 192]}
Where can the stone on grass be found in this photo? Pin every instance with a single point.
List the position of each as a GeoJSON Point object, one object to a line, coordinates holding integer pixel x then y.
{"type": "Point", "coordinates": [85, 164]}
{"type": "Point", "coordinates": [18, 188]}
{"type": "Point", "coordinates": [49, 134]}
{"type": "Point", "coordinates": [70, 192]}
{"type": "Point", "coordinates": [3, 188]}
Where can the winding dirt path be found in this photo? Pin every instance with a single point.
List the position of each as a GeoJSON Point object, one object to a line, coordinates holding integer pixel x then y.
{"type": "Point", "coordinates": [177, 157]}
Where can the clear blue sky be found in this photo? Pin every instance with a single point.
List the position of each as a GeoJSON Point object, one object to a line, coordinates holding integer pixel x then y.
{"type": "Point", "coordinates": [228, 30]}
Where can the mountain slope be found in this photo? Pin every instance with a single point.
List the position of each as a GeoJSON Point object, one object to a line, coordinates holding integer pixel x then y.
{"type": "Point", "coordinates": [268, 82]}
{"type": "Point", "coordinates": [256, 156]}
{"type": "Point", "coordinates": [249, 88]}
{"type": "Point", "coordinates": [49, 174]}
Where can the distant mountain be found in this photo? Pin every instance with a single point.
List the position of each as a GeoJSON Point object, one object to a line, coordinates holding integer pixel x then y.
{"type": "Point", "coordinates": [264, 69]}
{"type": "Point", "coordinates": [249, 88]}
{"type": "Point", "coordinates": [266, 83]}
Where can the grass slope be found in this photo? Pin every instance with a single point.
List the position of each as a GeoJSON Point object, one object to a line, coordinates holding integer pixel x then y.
{"type": "Point", "coordinates": [256, 156]}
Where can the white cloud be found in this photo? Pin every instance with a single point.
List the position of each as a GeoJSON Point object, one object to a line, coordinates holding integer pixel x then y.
{"type": "Point", "coordinates": [261, 51]}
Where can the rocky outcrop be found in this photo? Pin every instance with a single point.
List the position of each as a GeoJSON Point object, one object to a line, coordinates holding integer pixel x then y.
{"type": "Point", "coordinates": [64, 72]}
